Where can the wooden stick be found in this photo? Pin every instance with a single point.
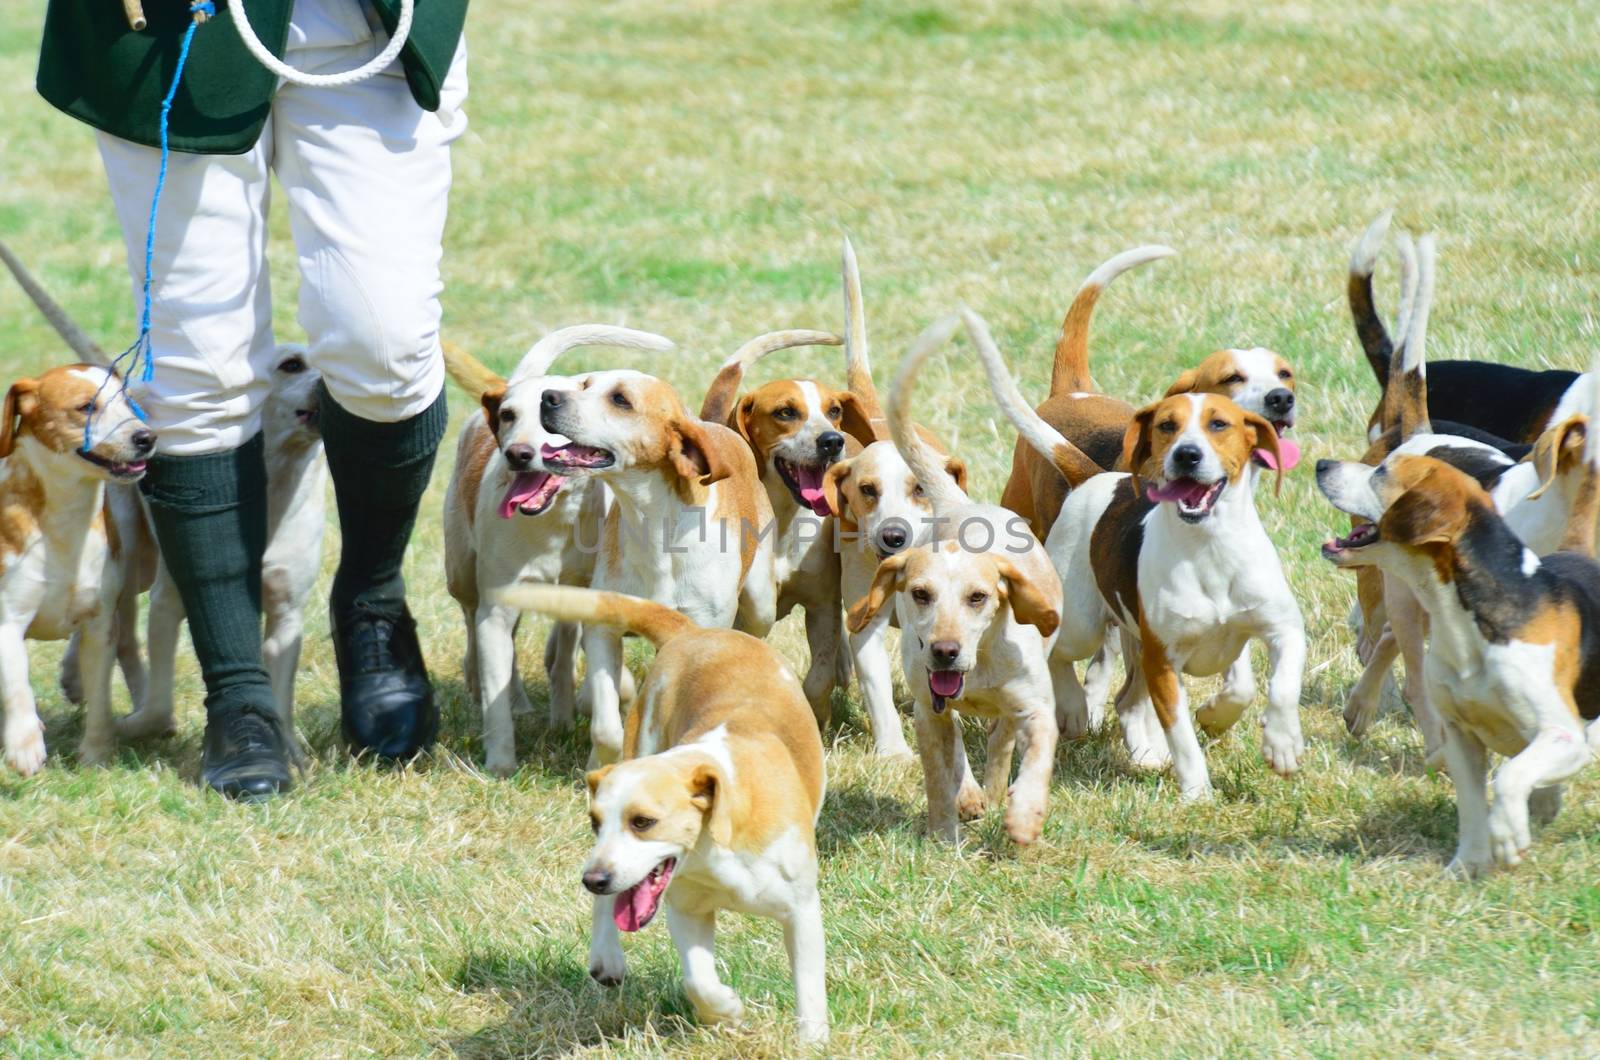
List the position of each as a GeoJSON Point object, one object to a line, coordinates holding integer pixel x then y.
{"type": "Point", "coordinates": [135, 12]}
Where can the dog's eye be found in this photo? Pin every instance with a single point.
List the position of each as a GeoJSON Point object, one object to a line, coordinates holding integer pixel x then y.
{"type": "Point", "coordinates": [619, 399]}
{"type": "Point", "coordinates": [641, 823]}
{"type": "Point", "coordinates": [1284, 373]}
{"type": "Point", "coordinates": [1218, 426]}
{"type": "Point", "coordinates": [921, 596]}
{"type": "Point", "coordinates": [785, 413]}
{"type": "Point", "coordinates": [916, 491]}
{"type": "Point", "coordinates": [978, 598]}
{"type": "Point", "coordinates": [869, 491]}
{"type": "Point", "coordinates": [594, 823]}
{"type": "Point", "coordinates": [86, 408]}
{"type": "Point", "coordinates": [834, 412]}
{"type": "Point", "coordinates": [292, 365]}
{"type": "Point", "coordinates": [1233, 380]}
{"type": "Point", "coordinates": [1167, 426]}
{"type": "Point", "coordinates": [508, 415]}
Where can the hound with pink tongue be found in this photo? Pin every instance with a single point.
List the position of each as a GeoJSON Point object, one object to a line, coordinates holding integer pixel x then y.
{"type": "Point", "coordinates": [530, 493]}
{"type": "Point", "coordinates": [638, 905]}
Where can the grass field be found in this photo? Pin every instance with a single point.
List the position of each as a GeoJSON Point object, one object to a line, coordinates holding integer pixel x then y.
{"type": "Point", "coordinates": [688, 167]}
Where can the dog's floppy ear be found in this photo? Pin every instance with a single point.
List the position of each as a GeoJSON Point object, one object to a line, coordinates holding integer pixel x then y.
{"type": "Point", "coordinates": [853, 419]}
{"type": "Point", "coordinates": [885, 583]}
{"type": "Point", "coordinates": [708, 790]}
{"type": "Point", "coordinates": [956, 468]}
{"type": "Point", "coordinates": [1267, 438]}
{"type": "Point", "coordinates": [594, 777]}
{"type": "Point", "coordinates": [1029, 604]}
{"type": "Point", "coordinates": [21, 400]}
{"type": "Point", "coordinates": [1428, 515]}
{"type": "Point", "coordinates": [491, 407]}
{"type": "Point", "coordinates": [1553, 446]}
{"type": "Point", "coordinates": [1186, 384]}
{"type": "Point", "coordinates": [693, 455]}
{"type": "Point", "coordinates": [832, 484]}
{"type": "Point", "coordinates": [1136, 443]}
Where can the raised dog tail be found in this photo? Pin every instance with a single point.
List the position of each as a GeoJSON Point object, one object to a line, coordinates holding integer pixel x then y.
{"type": "Point", "coordinates": [724, 389]}
{"type": "Point", "coordinates": [1073, 463]}
{"type": "Point", "coordinates": [926, 465]}
{"type": "Point", "coordinates": [469, 373]}
{"type": "Point", "coordinates": [1405, 399]}
{"type": "Point", "coordinates": [1070, 375]}
{"type": "Point", "coordinates": [1579, 533]}
{"type": "Point", "coordinates": [86, 349]}
{"type": "Point", "coordinates": [655, 622]}
{"type": "Point", "coordinates": [857, 369]}
{"type": "Point", "coordinates": [1375, 341]}
{"type": "Point", "coordinates": [542, 354]}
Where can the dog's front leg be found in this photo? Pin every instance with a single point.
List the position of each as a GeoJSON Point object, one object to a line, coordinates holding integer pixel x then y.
{"type": "Point", "coordinates": [24, 734]}
{"type": "Point", "coordinates": [824, 630]}
{"type": "Point", "coordinates": [1282, 743]}
{"type": "Point", "coordinates": [1142, 733]}
{"type": "Point", "coordinates": [280, 649]}
{"type": "Point", "coordinates": [871, 650]}
{"type": "Point", "coordinates": [1467, 761]}
{"type": "Point", "coordinates": [802, 935]}
{"type": "Point", "coordinates": [561, 667]}
{"type": "Point", "coordinates": [1362, 705]}
{"type": "Point", "coordinates": [97, 657]}
{"type": "Point", "coordinates": [695, 936]}
{"type": "Point", "coordinates": [1172, 708]}
{"type": "Point", "coordinates": [495, 635]}
{"type": "Point", "coordinates": [1238, 691]}
{"type": "Point", "coordinates": [997, 759]}
{"type": "Point", "coordinates": [1551, 757]}
{"type": "Point", "coordinates": [607, 965]}
{"type": "Point", "coordinates": [1072, 704]}
{"type": "Point", "coordinates": [603, 647]}
{"type": "Point", "coordinates": [938, 740]}
{"type": "Point", "coordinates": [1409, 623]}
{"type": "Point", "coordinates": [1029, 797]}
{"type": "Point", "coordinates": [130, 657]}
{"type": "Point", "coordinates": [154, 717]}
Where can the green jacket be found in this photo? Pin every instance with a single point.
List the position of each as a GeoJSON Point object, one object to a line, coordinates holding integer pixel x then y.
{"type": "Point", "coordinates": [99, 71]}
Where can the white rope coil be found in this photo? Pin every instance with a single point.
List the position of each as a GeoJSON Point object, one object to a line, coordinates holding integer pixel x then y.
{"type": "Point", "coordinates": [252, 44]}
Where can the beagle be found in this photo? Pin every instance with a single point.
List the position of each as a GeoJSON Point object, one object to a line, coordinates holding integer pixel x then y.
{"type": "Point", "coordinates": [797, 429]}
{"type": "Point", "coordinates": [1094, 422]}
{"type": "Point", "coordinates": [1513, 664]}
{"type": "Point", "coordinates": [296, 485]}
{"type": "Point", "coordinates": [978, 608]}
{"type": "Point", "coordinates": [713, 804]}
{"type": "Point", "coordinates": [510, 518]}
{"type": "Point", "coordinates": [1516, 404]}
{"type": "Point", "coordinates": [63, 436]}
{"type": "Point", "coordinates": [690, 525]}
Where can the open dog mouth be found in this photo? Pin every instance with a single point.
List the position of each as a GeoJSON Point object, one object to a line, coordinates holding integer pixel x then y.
{"type": "Point", "coordinates": [531, 493]}
{"type": "Point", "coordinates": [1361, 537]}
{"type": "Point", "coordinates": [127, 470]}
{"type": "Point", "coordinates": [638, 905]}
{"type": "Point", "coordinates": [805, 483]}
{"type": "Point", "coordinates": [575, 457]}
{"type": "Point", "coordinates": [1288, 449]}
{"type": "Point", "coordinates": [945, 685]}
{"type": "Point", "coordinates": [1194, 499]}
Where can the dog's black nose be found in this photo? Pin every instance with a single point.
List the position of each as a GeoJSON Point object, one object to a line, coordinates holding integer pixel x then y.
{"type": "Point", "coordinates": [1279, 402]}
{"type": "Point", "coordinates": [144, 440]}
{"type": "Point", "coordinates": [520, 456]}
{"type": "Point", "coordinates": [597, 881]}
{"type": "Point", "coordinates": [1187, 457]}
{"type": "Point", "coordinates": [829, 445]}
{"type": "Point", "coordinates": [893, 538]}
{"type": "Point", "coordinates": [945, 651]}
{"type": "Point", "coordinates": [551, 399]}
{"type": "Point", "coordinates": [1326, 465]}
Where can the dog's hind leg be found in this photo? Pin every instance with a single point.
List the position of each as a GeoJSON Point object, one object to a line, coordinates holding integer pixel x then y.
{"type": "Point", "coordinates": [1097, 679]}
{"type": "Point", "coordinates": [803, 937]}
{"type": "Point", "coordinates": [1282, 742]}
{"type": "Point", "coordinates": [997, 759]}
{"type": "Point", "coordinates": [1072, 706]}
{"type": "Point", "coordinates": [155, 715]}
{"type": "Point", "coordinates": [495, 638]}
{"type": "Point", "coordinates": [561, 666]}
{"type": "Point", "coordinates": [1238, 691]}
{"type": "Point", "coordinates": [877, 689]}
{"type": "Point", "coordinates": [71, 679]}
{"type": "Point", "coordinates": [1142, 734]}
{"type": "Point", "coordinates": [280, 650]}
{"type": "Point", "coordinates": [1361, 708]}
{"type": "Point", "coordinates": [695, 936]}
{"type": "Point", "coordinates": [130, 655]}
{"type": "Point", "coordinates": [824, 632]}
{"type": "Point", "coordinates": [603, 648]}
{"type": "Point", "coordinates": [97, 655]}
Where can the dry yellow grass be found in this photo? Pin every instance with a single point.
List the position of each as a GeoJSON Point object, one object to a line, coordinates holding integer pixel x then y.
{"type": "Point", "coordinates": [688, 168]}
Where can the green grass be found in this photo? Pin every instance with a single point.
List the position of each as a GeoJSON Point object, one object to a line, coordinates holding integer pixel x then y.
{"type": "Point", "coordinates": [689, 168]}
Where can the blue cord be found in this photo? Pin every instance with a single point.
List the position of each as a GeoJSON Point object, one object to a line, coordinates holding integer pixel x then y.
{"type": "Point", "coordinates": [141, 345]}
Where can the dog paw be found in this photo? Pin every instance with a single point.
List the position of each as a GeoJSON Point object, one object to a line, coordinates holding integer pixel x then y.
{"type": "Point", "coordinates": [1024, 823]}
{"type": "Point", "coordinates": [812, 1032]}
{"type": "Point", "coordinates": [145, 725]}
{"type": "Point", "coordinates": [971, 803]}
{"type": "Point", "coordinates": [95, 752]}
{"type": "Point", "coordinates": [893, 752]}
{"type": "Point", "coordinates": [1200, 791]}
{"type": "Point", "coordinates": [1509, 834]}
{"type": "Point", "coordinates": [1466, 867]}
{"type": "Point", "coordinates": [25, 746]}
{"type": "Point", "coordinates": [1359, 713]}
{"type": "Point", "coordinates": [500, 763]}
{"type": "Point", "coordinates": [608, 969]}
{"type": "Point", "coordinates": [716, 1004]}
{"type": "Point", "coordinates": [1282, 748]}
{"type": "Point", "coordinates": [1149, 758]}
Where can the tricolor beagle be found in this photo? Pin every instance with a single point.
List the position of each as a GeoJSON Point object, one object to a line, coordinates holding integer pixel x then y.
{"type": "Point", "coordinates": [712, 806]}
{"type": "Point", "coordinates": [510, 518]}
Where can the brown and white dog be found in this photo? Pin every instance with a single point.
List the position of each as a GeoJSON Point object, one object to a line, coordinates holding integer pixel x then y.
{"type": "Point", "coordinates": [689, 525]}
{"type": "Point", "coordinates": [978, 608]}
{"type": "Point", "coordinates": [712, 806]}
{"type": "Point", "coordinates": [1513, 665]}
{"type": "Point", "coordinates": [63, 436]}
{"type": "Point", "coordinates": [509, 519]}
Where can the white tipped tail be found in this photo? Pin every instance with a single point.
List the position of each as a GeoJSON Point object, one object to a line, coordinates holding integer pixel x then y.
{"type": "Point", "coordinates": [1406, 249]}
{"type": "Point", "coordinates": [724, 388]}
{"type": "Point", "coordinates": [1364, 256]}
{"type": "Point", "coordinates": [542, 354]}
{"type": "Point", "coordinates": [1075, 465]}
{"type": "Point", "coordinates": [85, 348]}
{"type": "Point", "coordinates": [926, 465]}
{"type": "Point", "coordinates": [655, 622]}
{"type": "Point", "coordinates": [1070, 372]}
{"type": "Point", "coordinates": [857, 363]}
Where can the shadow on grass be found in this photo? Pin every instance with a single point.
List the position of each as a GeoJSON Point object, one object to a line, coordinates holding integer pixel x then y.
{"type": "Point", "coordinates": [851, 813]}
{"type": "Point", "coordinates": [553, 1008]}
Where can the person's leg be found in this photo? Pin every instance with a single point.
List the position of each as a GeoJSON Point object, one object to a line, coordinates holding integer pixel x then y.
{"type": "Point", "coordinates": [367, 175]}
{"type": "Point", "coordinates": [206, 486]}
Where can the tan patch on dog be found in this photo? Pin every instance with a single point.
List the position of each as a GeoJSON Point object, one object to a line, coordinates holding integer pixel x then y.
{"type": "Point", "coordinates": [1427, 505]}
{"type": "Point", "coordinates": [1559, 625]}
{"type": "Point", "coordinates": [477, 446]}
{"type": "Point", "coordinates": [1094, 423]}
{"type": "Point", "coordinates": [1232, 433]}
{"type": "Point", "coordinates": [21, 502]}
{"type": "Point", "coordinates": [1222, 373]}
{"type": "Point", "coordinates": [774, 411]}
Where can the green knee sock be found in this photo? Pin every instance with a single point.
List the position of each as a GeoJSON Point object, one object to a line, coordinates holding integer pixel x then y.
{"type": "Point", "coordinates": [379, 471]}
{"type": "Point", "coordinates": [210, 516]}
